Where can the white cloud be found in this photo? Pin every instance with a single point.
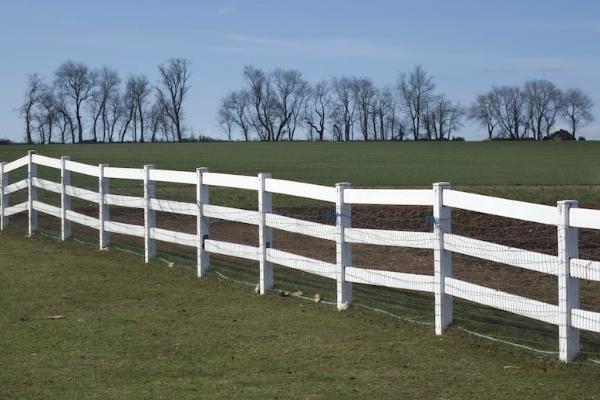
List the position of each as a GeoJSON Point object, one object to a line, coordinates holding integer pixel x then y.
{"type": "Point", "coordinates": [329, 45]}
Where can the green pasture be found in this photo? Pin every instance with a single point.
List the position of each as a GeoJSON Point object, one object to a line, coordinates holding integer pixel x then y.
{"type": "Point", "coordinates": [539, 172]}
{"type": "Point", "coordinates": [80, 324]}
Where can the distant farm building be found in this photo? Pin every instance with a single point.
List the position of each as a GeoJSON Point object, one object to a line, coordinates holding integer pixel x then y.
{"type": "Point", "coordinates": [561, 135]}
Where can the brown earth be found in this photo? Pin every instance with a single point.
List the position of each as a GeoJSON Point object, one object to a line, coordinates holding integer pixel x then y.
{"type": "Point", "coordinates": [510, 232]}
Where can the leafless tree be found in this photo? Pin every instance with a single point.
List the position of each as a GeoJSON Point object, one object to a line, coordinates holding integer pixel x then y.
{"type": "Point", "coordinates": [261, 102]}
{"type": "Point", "coordinates": [46, 113]}
{"type": "Point", "coordinates": [317, 109]}
{"type": "Point", "coordinates": [384, 116]}
{"type": "Point", "coordinates": [551, 117]}
{"type": "Point", "coordinates": [134, 104]}
{"type": "Point", "coordinates": [343, 109]}
{"type": "Point", "coordinates": [364, 92]}
{"type": "Point", "coordinates": [158, 122]}
{"type": "Point", "coordinates": [401, 128]}
{"type": "Point", "coordinates": [482, 113]}
{"type": "Point", "coordinates": [129, 111]}
{"type": "Point", "coordinates": [108, 84]}
{"type": "Point", "coordinates": [235, 111]}
{"type": "Point", "coordinates": [542, 101]}
{"type": "Point", "coordinates": [34, 86]}
{"type": "Point", "coordinates": [415, 91]}
{"type": "Point", "coordinates": [577, 108]}
{"type": "Point", "coordinates": [64, 111]}
{"type": "Point", "coordinates": [76, 81]}
{"type": "Point", "coordinates": [226, 117]}
{"type": "Point", "coordinates": [114, 113]}
{"type": "Point", "coordinates": [289, 93]}
{"type": "Point", "coordinates": [508, 103]}
{"type": "Point", "coordinates": [274, 102]}
{"type": "Point", "coordinates": [442, 116]}
{"type": "Point", "coordinates": [140, 89]}
{"type": "Point", "coordinates": [171, 91]}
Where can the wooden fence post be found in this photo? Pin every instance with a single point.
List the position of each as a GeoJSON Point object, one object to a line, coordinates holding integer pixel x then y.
{"type": "Point", "coordinates": [265, 233]}
{"type": "Point", "coordinates": [568, 287]}
{"type": "Point", "coordinates": [32, 194]}
{"type": "Point", "coordinates": [3, 197]}
{"type": "Point", "coordinates": [442, 259]}
{"type": "Point", "coordinates": [149, 215]}
{"type": "Point", "coordinates": [65, 200]}
{"type": "Point", "coordinates": [343, 249]}
{"type": "Point", "coordinates": [103, 208]}
{"type": "Point", "coordinates": [202, 256]}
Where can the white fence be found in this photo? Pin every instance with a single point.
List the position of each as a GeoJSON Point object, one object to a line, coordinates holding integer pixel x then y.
{"type": "Point", "coordinates": [567, 217]}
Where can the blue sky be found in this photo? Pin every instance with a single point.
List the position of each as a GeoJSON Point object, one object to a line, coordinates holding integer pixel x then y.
{"type": "Point", "coordinates": [466, 45]}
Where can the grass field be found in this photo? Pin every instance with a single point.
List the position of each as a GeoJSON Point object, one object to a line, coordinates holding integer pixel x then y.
{"type": "Point", "coordinates": [541, 172]}
{"type": "Point", "coordinates": [140, 331]}
{"type": "Point", "coordinates": [146, 331]}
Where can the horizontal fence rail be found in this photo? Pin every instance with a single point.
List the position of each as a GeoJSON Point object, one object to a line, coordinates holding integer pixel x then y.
{"type": "Point", "coordinates": [498, 253]}
{"type": "Point", "coordinates": [566, 266]}
{"type": "Point", "coordinates": [501, 207]}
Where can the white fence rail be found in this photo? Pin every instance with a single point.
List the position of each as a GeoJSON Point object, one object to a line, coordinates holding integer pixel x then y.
{"type": "Point", "coordinates": [566, 265]}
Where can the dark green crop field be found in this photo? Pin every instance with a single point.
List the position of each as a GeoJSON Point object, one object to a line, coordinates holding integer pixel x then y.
{"type": "Point", "coordinates": [364, 164]}
{"type": "Point", "coordinates": [540, 172]}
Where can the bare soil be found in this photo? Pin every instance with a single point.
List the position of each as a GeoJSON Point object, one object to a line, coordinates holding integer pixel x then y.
{"type": "Point", "coordinates": [510, 232]}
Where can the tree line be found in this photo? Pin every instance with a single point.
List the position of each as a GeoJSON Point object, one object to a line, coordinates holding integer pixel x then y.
{"type": "Point", "coordinates": [80, 104]}
{"type": "Point", "coordinates": [274, 106]}
{"type": "Point", "coordinates": [531, 111]}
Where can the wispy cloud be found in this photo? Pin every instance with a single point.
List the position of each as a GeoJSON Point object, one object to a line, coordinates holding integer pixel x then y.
{"type": "Point", "coordinates": [260, 40]}
{"type": "Point", "coordinates": [329, 45]}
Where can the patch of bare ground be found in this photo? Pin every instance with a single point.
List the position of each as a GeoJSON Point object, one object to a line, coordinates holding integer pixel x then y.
{"type": "Point", "coordinates": [509, 232]}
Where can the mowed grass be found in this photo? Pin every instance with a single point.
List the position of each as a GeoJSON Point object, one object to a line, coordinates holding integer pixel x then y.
{"type": "Point", "coordinates": [540, 172]}
{"type": "Point", "coordinates": [137, 331]}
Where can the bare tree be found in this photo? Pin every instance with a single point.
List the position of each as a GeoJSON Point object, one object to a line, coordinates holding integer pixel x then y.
{"type": "Point", "coordinates": [95, 107]}
{"type": "Point", "coordinates": [401, 128]}
{"type": "Point", "coordinates": [114, 113]}
{"type": "Point", "coordinates": [343, 109]}
{"type": "Point", "coordinates": [577, 108]}
{"type": "Point", "coordinates": [235, 110]}
{"type": "Point", "coordinates": [364, 92]}
{"type": "Point", "coordinates": [226, 117]}
{"type": "Point", "coordinates": [34, 86]}
{"type": "Point", "coordinates": [508, 104]}
{"type": "Point", "coordinates": [261, 102]}
{"type": "Point", "coordinates": [46, 113]}
{"type": "Point", "coordinates": [108, 83]}
{"type": "Point", "coordinates": [384, 114]}
{"type": "Point", "coordinates": [317, 109]}
{"type": "Point", "coordinates": [158, 122]}
{"type": "Point", "coordinates": [274, 102]}
{"type": "Point", "coordinates": [415, 91]}
{"type": "Point", "coordinates": [76, 81]}
{"type": "Point", "coordinates": [482, 113]}
{"type": "Point", "coordinates": [140, 89]}
{"type": "Point", "coordinates": [129, 111]}
{"type": "Point", "coordinates": [556, 105]}
{"type": "Point", "coordinates": [64, 111]}
{"type": "Point", "coordinates": [542, 102]}
{"type": "Point", "coordinates": [442, 116]}
{"type": "Point", "coordinates": [173, 87]}
{"type": "Point", "coordinates": [289, 93]}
